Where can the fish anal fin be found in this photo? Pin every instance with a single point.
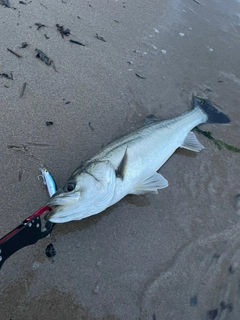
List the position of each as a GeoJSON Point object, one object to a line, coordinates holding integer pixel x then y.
{"type": "Point", "coordinates": [150, 184]}
{"type": "Point", "coordinates": [121, 168]}
{"type": "Point", "coordinates": [191, 143]}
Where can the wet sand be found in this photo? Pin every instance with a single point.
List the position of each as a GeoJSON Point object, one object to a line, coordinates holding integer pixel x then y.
{"type": "Point", "coordinates": [174, 255]}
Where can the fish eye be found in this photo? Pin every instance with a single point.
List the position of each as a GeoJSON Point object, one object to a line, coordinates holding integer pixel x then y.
{"type": "Point", "coordinates": [70, 186]}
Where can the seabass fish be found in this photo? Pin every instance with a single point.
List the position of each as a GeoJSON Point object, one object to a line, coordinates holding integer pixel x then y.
{"type": "Point", "coordinates": [129, 165]}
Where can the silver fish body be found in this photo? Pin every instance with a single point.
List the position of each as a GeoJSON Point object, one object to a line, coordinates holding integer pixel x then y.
{"type": "Point", "coordinates": [129, 165]}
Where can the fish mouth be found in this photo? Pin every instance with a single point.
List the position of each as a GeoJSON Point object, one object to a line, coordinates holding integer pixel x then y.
{"type": "Point", "coordinates": [58, 203]}
{"type": "Point", "coordinates": [54, 217]}
{"type": "Point", "coordinates": [63, 199]}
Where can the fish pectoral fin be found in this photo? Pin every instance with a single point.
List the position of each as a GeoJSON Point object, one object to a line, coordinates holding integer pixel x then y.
{"type": "Point", "coordinates": [120, 171]}
{"type": "Point", "coordinates": [151, 184]}
{"type": "Point", "coordinates": [191, 143]}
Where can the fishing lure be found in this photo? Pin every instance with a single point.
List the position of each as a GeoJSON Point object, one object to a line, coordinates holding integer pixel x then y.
{"type": "Point", "coordinates": [48, 181]}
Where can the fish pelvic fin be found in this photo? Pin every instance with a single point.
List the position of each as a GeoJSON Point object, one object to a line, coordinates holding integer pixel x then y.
{"type": "Point", "coordinates": [150, 184]}
{"type": "Point", "coordinates": [191, 143]}
{"type": "Point", "coordinates": [213, 114]}
{"type": "Point", "coordinates": [120, 171]}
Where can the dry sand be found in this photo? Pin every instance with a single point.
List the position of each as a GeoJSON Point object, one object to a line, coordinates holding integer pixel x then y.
{"type": "Point", "coordinates": [175, 255]}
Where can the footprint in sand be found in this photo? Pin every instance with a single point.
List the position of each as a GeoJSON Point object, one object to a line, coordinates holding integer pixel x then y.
{"type": "Point", "coordinates": [203, 282]}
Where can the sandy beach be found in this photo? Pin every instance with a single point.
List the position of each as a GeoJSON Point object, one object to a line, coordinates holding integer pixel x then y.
{"type": "Point", "coordinates": [174, 255]}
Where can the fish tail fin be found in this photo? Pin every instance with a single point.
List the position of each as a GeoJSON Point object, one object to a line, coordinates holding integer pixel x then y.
{"type": "Point", "coordinates": [213, 114]}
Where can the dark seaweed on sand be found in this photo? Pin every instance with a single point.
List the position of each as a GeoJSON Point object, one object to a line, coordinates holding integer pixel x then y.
{"type": "Point", "coordinates": [228, 306]}
{"type": "Point", "coordinates": [7, 76]}
{"type": "Point", "coordinates": [90, 126]}
{"type": "Point", "coordinates": [39, 25]}
{"type": "Point", "coordinates": [211, 315]}
{"type": "Point", "coordinates": [77, 42]}
{"type": "Point", "coordinates": [100, 38]}
{"type": "Point", "coordinates": [5, 3]}
{"type": "Point", "coordinates": [50, 251]}
{"type": "Point", "coordinates": [140, 76]}
{"type": "Point", "coordinates": [23, 89]}
{"type": "Point", "coordinates": [24, 45]}
{"type": "Point", "coordinates": [218, 143]}
{"type": "Point", "coordinates": [13, 52]}
{"type": "Point", "coordinates": [63, 32]}
{"type": "Point", "coordinates": [42, 56]}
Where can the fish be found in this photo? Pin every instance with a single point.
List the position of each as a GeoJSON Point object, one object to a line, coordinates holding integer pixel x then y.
{"type": "Point", "coordinates": [130, 164]}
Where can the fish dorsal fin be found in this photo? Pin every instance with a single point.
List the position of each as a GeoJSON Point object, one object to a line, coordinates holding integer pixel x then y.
{"type": "Point", "coordinates": [191, 143]}
{"type": "Point", "coordinates": [150, 184]}
{"type": "Point", "coordinates": [151, 118]}
{"type": "Point", "coordinates": [121, 168]}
